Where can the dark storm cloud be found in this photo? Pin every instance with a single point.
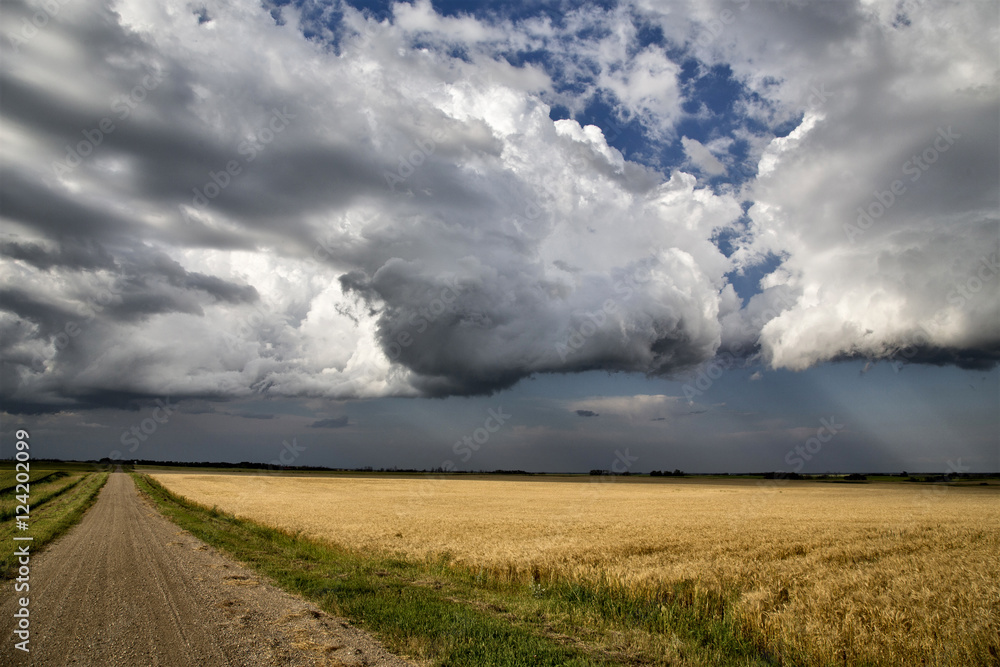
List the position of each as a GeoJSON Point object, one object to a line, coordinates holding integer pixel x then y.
{"type": "Point", "coordinates": [333, 422]}
{"type": "Point", "coordinates": [177, 276]}
{"type": "Point", "coordinates": [148, 283]}
{"type": "Point", "coordinates": [77, 254]}
{"type": "Point", "coordinates": [253, 415]}
{"type": "Point", "coordinates": [49, 318]}
{"type": "Point", "coordinates": [982, 358]}
{"type": "Point", "coordinates": [30, 201]}
{"type": "Point", "coordinates": [587, 413]}
{"type": "Point", "coordinates": [223, 207]}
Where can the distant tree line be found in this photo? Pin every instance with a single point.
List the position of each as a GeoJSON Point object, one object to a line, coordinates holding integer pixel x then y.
{"type": "Point", "coordinates": [947, 477]}
{"type": "Point", "coordinates": [251, 465]}
{"type": "Point", "coordinates": [654, 473]}
{"type": "Point", "coordinates": [853, 477]}
{"type": "Point", "coordinates": [213, 464]}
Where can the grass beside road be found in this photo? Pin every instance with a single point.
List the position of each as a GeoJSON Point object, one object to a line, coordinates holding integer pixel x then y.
{"type": "Point", "coordinates": [43, 490]}
{"type": "Point", "coordinates": [447, 615]}
{"type": "Point", "coordinates": [53, 512]}
{"type": "Point", "coordinates": [9, 484]}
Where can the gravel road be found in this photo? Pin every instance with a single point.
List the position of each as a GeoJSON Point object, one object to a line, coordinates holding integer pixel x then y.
{"type": "Point", "coordinates": [128, 587]}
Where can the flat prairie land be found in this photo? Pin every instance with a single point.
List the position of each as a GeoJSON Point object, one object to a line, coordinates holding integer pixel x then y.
{"type": "Point", "coordinates": [816, 573]}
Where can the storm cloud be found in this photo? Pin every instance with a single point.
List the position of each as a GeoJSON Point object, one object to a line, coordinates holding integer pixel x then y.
{"type": "Point", "coordinates": [210, 204]}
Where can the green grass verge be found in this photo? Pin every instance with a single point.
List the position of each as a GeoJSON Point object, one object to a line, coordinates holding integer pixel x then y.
{"type": "Point", "coordinates": [41, 492]}
{"type": "Point", "coordinates": [55, 517]}
{"type": "Point", "coordinates": [446, 615]}
{"type": "Point", "coordinates": [36, 477]}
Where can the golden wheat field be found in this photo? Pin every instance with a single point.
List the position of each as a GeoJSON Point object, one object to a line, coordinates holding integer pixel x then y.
{"type": "Point", "coordinates": [837, 573]}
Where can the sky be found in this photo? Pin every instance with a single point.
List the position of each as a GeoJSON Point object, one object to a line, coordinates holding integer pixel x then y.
{"type": "Point", "coordinates": [714, 235]}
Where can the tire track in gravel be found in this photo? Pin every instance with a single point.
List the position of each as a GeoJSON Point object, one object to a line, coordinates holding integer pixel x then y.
{"type": "Point", "coordinates": [127, 587]}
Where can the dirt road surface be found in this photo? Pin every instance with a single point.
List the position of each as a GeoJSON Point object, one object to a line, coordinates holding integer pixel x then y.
{"type": "Point", "coordinates": [127, 587]}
